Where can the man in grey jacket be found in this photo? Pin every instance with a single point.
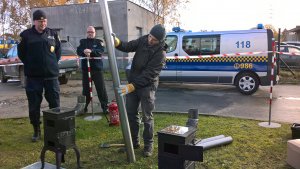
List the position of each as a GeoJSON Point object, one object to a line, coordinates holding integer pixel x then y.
{"type": "Point", "coordinates": [147, 63]}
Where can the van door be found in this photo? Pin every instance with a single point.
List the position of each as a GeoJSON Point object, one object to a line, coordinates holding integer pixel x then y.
{"type": "Point", "coordinates": [170, 68]}
{"type": "Point", "coordinates": [201, 70]}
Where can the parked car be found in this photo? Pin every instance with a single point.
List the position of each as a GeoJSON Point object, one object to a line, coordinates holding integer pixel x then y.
{"type": "Point", "coordinates": [12, 67]}
{"type": "Point", "coordinates": [1, 56]}
{"type": "Point", "coordinates": [291, 60]}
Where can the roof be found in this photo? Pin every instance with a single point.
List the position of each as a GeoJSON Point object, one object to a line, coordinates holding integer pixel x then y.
{"type": "Point", "coordinates": [297, 29]}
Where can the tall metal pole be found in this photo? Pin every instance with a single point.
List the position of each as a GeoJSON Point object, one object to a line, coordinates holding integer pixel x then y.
{"type": "Point", "coordinates": [116, 79]}
{"type": "Point", "coordinates": [269, 124]}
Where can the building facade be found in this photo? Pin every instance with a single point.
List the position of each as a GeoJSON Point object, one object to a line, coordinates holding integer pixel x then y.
{"type": "Point", "coordinates": [129, 21]}
{"type": "Point", "coordinates": [292, 35]}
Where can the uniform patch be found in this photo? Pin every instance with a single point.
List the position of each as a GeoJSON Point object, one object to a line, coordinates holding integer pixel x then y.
{"type": "Point", "coordinates": [50, 37]}
{"type": "Point", "coordinates": [52, 49]}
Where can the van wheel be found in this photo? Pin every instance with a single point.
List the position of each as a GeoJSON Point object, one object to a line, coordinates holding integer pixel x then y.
{"type": "Point", "coordinates": [22, 77]}
{"type": "Point", "coordinates": [247, 83]}
{"type": "Point", "coordinates": [2, 77]}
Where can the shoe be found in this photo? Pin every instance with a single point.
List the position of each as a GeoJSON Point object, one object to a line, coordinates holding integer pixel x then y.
{"type": "Point", "coordinates": [148, 151]}
{"type": "Point", "coordinates": [36, 133]}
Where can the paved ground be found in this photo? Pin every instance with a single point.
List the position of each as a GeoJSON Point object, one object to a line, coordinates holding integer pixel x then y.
{"type": "Point", "coordinates": [226, 101]}
{"type": "Point", "coordinates": [209, 99]}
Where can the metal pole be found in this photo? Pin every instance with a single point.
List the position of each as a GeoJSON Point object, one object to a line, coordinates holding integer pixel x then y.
{"type": "Point", "coordinates": [277, 54]}
{"type": "Point", "coordinates": [116, 79]}
{"type": "Point", "coordinates": [215, 143]}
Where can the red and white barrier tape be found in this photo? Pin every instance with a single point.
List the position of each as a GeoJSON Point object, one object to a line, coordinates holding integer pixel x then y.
{"type": "Point", "coordinates": [287, 53]}
{"type": "Point", "coordinates": [14, 62]}
{"type": "Point", "coordinates": [208, 56]}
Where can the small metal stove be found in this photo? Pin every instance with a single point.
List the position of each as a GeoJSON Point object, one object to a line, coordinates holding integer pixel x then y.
{"type": "Point", "coordinates": [176, 149]}
{"type": "Point", "coordinates": [59, 133]}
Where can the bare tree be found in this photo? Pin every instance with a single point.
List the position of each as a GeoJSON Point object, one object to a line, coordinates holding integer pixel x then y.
{"type": "Point", "coordinates": [15, 14]}
{"type": "Point", "coordinates": [166, 11]}
{"type": "Point", "coordinates": [3, 16]}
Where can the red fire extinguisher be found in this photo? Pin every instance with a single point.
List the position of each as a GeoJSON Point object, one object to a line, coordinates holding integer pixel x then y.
{"type": "Point", "coordinates": [113, 113]}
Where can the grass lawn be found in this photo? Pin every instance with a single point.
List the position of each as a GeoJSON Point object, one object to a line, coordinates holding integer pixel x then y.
{"type": "Point", "coordinates": [252, 147]}
{"type": "Point", "coordinates": [288, 77]}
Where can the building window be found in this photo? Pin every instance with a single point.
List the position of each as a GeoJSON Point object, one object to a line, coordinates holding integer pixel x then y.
{"type": "Point", "coordinates": [100, 35]}
{"type": "Point", "coordinates": [139, 31]}
{"type": "Point", "coordinates": [58, 31]}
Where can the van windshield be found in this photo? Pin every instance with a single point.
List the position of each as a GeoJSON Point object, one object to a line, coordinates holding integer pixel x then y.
{"type": "Point", "coordinates": [171, 41]}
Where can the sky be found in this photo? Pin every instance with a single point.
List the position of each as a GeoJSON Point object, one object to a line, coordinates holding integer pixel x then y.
{"type": "Point", "coordinates": [219, 15]}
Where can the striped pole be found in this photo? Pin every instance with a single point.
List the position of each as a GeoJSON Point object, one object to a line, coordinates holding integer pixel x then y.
{"type": "Point", "coordinates": [93, 117]}
{"type": "Point", "coordinates": [272, 79]}
{"type": "Point", "coordinates": [90, 85]}
{"type": "Point", "coordinates": [269, 124]}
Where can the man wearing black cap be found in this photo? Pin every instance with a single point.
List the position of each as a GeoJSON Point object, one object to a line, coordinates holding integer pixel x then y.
{"type": "Point", "coordinates": [40, 51]}
{"type": "Point", "coordinates": [147, 63]}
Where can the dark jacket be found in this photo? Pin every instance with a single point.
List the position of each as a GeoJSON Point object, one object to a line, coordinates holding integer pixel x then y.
{"type": "Point", "coordinates": [147, 62]}
{"type": "Point", "coordinates": [97, 49]}
{"type": "Point", "coordinates": [40, 53]}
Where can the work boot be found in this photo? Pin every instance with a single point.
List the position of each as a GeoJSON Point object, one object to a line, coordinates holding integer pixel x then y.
{"type": "Point", "coordinates": [36, 133]}
{"type": "Point", "coordinates": [148, 150]}
{"type": "Point", "coordinates": [136, 143]}
{"type": "Point", "coordinates": [85, 110]}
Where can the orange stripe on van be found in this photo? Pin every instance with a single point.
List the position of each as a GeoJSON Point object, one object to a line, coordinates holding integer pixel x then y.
{"type": "Point", "coordinates": [69, 57]}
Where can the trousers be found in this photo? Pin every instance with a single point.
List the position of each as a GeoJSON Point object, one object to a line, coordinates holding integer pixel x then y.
{"type": "Point", "coordinates": [34, 91]}
{"type": "Point", "coordinates": [98, 79]}
{"type": "Point", "coordinates": [146, 98]}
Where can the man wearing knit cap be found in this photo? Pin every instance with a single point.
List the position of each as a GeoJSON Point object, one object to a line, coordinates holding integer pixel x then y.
{"type": "Point", "coordinates": [40, 51]}
{"type": "Point", "coordinates": [147, 63]}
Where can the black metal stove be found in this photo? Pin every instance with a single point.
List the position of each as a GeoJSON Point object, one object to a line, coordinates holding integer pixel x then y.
{"type": "Point", "coordinates": [176, 149]}
{"type": "Point", "coordinates": [59, 133]}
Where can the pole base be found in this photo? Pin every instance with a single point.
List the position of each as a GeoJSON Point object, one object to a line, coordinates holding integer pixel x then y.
{"type": "Point", "coordinates": [38, 165]}
{"type": "Point", "coordinates": [93, 118]}
{"type": "Point", "coordinates": [271, 125]}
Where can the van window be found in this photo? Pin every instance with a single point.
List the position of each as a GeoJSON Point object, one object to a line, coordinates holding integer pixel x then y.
{"type": "Point", "coordinates": [171, 41]}
{"type": "Point", "coordinates": [201, 45]}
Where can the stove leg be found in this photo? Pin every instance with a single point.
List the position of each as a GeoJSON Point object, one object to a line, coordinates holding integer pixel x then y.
{"type": "Point", "coordinates": [63, 158]}
{"type": "Point", "coordinates": [77, 156]}
{"type": "Point", "coordinates": [58, 155]}
{"type": "Point", "coordinates": [43, 157]}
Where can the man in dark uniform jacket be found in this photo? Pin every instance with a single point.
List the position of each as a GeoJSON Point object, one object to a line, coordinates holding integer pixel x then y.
{"type": "Point", "coordinates": [40, 51]}
{"type": "Point", "coordinates": [93, 48]}
{"type": "Point", "coordinates": [146, 66]}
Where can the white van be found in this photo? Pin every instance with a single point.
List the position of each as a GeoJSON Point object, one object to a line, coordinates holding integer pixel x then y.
{"type": "Point", "coordinates": [241, 58]}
